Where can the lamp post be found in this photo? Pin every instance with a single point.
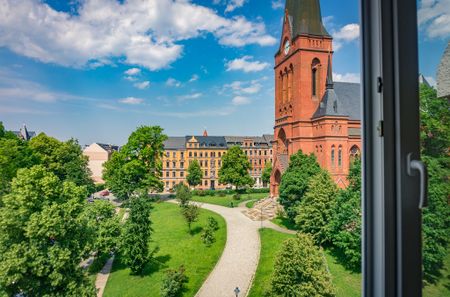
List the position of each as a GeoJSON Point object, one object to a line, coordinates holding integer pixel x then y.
{"type": "Point", "coordinates": [237, 291]}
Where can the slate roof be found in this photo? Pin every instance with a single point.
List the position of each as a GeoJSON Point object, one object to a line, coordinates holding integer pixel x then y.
{"type": "Point", "coordinates": [348, 101]}
{"type": "Point", "coordinates": [175, 143]}
{"type": "Point", "coordinates": [209, 141]}
{"type": "Point", "coordinates": [258, 140]}
{"type": "Point", "coordinates": [305, 18]}
{"type": "Point", "coordinates": [24, 133]}
{"type": "Point", "coordinates": [443, 74]}
{"type": "Point", "coordinates": [109, 147]}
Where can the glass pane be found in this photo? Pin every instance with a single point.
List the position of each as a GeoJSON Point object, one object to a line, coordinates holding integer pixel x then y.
{"type": "Point", "coordinates": [434, 62]}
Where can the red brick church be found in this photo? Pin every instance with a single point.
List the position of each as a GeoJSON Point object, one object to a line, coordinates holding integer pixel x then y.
{"type": "Point", "coordinates": [312, 113]}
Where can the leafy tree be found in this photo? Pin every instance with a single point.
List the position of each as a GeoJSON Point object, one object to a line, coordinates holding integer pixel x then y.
{"type": "Point", "coordinates": [2, 130]}
{"type": "Point", "coordinates": [316, 207]}
{"type": "Point", "coordinates": [183, 195]}
{"type": "Point", "coordinates": [104, 226]}
{"type": "Point", "coordinates": [138, 166]}
{"type": "Point", "coordinates": [190, 213]}
{"type": "Point", "coordinates": [434, 122]}
{"type": "Point", "coordinates": [14, 154]}
{"type": "Point", "coordinates": [136, 235]}
{"type": "Point", "coordinates": [300, 270]}
{"type": "Point", "coordinates": [207, 236]}
{"type": "Point", "coordinates": [173, 282]}
{"type": "Point", "coordinates": [266, 173]}
{"type": "Point", "coordinates": [235, 168]}
{"type": "Point", "coordinates": [42, 236]}
{"type": "Point", "coordinates": [345, 225]}
{"type": "Point", "coordinates": [64, 159]}
{"type": "Point", "coordinates": [436, 218]}
{"type": "Point", "coordinates": [124, 177]}
{"type": "Point", "coordinates": [295, 181]}
{"type": "Point", "coordinates": [194, 174]}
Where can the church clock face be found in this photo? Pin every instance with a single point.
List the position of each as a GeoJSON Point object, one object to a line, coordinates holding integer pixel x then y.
{"type": "Point", "coordinates": [287, 47]}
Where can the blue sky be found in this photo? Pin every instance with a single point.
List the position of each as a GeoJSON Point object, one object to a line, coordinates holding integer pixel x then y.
{"type": "Point", "coordinates": [96, 69]}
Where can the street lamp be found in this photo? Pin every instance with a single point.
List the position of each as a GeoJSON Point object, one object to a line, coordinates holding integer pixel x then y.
{"type": "Point", "coordinates": [237, 291]}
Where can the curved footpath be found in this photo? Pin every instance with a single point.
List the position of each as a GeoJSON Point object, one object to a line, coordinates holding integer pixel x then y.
{"type": "Point", "coordinates": [239, 260]}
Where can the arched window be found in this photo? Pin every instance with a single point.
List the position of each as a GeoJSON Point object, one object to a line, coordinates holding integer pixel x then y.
{"type": "Point", "coordinates": [315, 76]}
{"type": "Point", "coordinates": [290, 81]}
{"type": "Point", "coordinates": [332, 155]}
{"type": "Point", "coordinates": [354, 153]}
{"type": "Point", "coordinates": [340, 156]}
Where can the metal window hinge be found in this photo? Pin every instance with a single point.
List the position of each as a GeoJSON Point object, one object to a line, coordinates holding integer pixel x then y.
{"type": "Point", "coordinates": [380, 128]}
{"type": "Point", "coordinates": [379, 84]}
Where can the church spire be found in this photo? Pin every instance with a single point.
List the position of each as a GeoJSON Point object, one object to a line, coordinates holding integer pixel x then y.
{"type": "Point", "coordinates": [330, 84]}
{"type": "Point", "coordinates": [306, 18]}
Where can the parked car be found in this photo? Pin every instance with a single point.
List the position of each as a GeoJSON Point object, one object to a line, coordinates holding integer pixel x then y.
{"type": "Point", "coordinates": [104, 193]}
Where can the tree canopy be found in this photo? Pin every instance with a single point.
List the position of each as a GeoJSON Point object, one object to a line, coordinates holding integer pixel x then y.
{"type": "Point", "coordinates": [300, 270]}
{"type": "Point", "coordinates": [266, 173]}
{"type": "Point", "coordinates": [194, 174]}
{"type": "Point", "coordinates": [316, 208]}
{"type": "Point", "coordinates": [138, 165]}
{"type": "Point", "coordinates": [43, 236]}
{"type": "Point", "coordinates": [295, 181]}
{"type": "Point", "coordinates": [235, 168]}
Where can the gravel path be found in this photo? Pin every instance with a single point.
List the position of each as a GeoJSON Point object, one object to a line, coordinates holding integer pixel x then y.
{"type": "Point", "coordinates": [102, 277]}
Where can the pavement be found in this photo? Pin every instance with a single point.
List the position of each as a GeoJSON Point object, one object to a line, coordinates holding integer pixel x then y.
{"type": "Point", "coordinates": [239, 261]}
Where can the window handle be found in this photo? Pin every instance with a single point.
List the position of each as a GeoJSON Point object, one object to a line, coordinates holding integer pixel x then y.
{"type": "Point", "coordinates": [416, 165]}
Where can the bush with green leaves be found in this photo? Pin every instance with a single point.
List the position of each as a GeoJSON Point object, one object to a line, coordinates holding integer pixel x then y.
{"type": "Point", "coordinates": [183, 194]}
{"type": "Point", "coordinates": [213, 224]}
{"type": "Point", "coordinates": [190, 213]}
{"type": "Point", "coordinates": [135, 242]}
{"type": "Point", "coordinates": [208, 236]}
{"type": "Point", "coordinates": [237, 197]}
{"type": "Point", "coordinates": [300, 270]}
{"type": "Point", "coordinates": [295, 181]}
{"type": "Point", "coordinates": [222, 194]}
{"type": "Point", "coordinates": [173, 282]}
{"type": "Point", "coordinates": [316, 208]}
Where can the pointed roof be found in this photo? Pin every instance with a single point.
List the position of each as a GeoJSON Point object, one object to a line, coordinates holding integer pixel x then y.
{"type": "Point", "coordinates": [443, 74]}
{"type": "Point", "coordinates": [205, 133]}
{"type": "Point", "coordinates": [330, 84]}
{"type": "Point", "coordinates": [305, 18]}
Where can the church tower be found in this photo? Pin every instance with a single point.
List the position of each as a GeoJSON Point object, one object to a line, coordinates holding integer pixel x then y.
{"type": "Point", "coordinates": [301, 65]}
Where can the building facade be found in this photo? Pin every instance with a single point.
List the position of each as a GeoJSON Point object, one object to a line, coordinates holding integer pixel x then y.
{"type": "Point", "coordinates": [312, 113]}
{"type": "Point", "coordinates": [208, 151]}
{"type": "Point", "coordinates": [98, 154]}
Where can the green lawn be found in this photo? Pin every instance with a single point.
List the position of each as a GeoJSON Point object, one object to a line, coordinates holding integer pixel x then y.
{"type": "Point", "coordinates": [284, 223]}
{"type": "Point", "coordinates": [347, 284]}
{"type": "Point", "coordinates": [271, 241]}
{"type": "Point", "coordinates": [177, 247]}
{"type": "Point", "coordinates": [226, 200]}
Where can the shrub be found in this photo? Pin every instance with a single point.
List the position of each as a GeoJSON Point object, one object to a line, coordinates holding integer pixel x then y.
{"type": "Point", "coordinates": [183, 195]}
{"type": "Point", "coordinates": [201, 193]}
{"type": "Point", "coordinates": [210, 192]}
{"type": "Point", "coordinates": [173, 282]}
{"type": "Point", "coordinates": [300, 270]}
{"type": "Point", "coordinates": [222, 193]}
{"type": "Point", "coordinates": [237, 196]}
{"type": "Point", "coordinates": [213, 224]}
{"type": "Point", "coordinates": [207, 236]}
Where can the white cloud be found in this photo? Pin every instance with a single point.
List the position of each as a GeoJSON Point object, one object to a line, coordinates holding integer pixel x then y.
{"type": "Point", "coordinates": [171, 82]}
{"type": "Point", "coordinates": [194, 77]}
{"type": "Point", "coordinates": [142, 85]}
{"type": "Point", "coordinates": [130, 78]}
{"type": "Point", "coordinates": [347, 33]}
{"type": "Point", "coordinates": [144, 33]}
{"type": "Point", "coordinates": [246, 64]}
{"type": "Point", "coordinates": [233, 4]}
{"type": "Point", "coordinates": [242, 87]}
{"type": "Point", "coordinates": [240, 100]}
{"type": "Point", "coordinates": [277, 4]}
{"type": "Point", "coordinates": [434, 18]}
{"type": "Point", "coordinates": [190, 96]}
{"type": "Point", "coordinates": [133, 71]}
{"type": "Point", "coordinates": [131, 100]}
{"type": "Point", "coordinates": [347, 77]}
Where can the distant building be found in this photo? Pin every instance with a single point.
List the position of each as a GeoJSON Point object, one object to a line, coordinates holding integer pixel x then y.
{"type": "Point", "coordinates": [24, 134]}
{"type": "Point", "coordinates": [443, 75]}
{"type": "Point", "coordinates": [98, 154]}
{"type": "Point", "coordinates": [179, 152]}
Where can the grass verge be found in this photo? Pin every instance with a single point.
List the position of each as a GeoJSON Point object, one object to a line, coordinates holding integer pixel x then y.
{"type": "Point", "coordinates": [177, 247]}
